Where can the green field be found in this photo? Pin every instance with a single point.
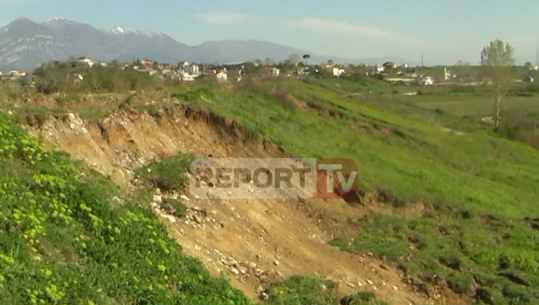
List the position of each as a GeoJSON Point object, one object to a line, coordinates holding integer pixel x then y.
{"type": "Point", "coordinates": [480, 234]}
{"type": "Point", "coordinates": [482, 185]}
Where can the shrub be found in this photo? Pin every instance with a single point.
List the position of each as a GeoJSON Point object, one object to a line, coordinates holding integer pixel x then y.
{"type": "Point", "coordinates": [167, 174]}
{"type": "Point", "coordinates": [460, 282]}
{"type": "Point", "coordinates": [521, 127]}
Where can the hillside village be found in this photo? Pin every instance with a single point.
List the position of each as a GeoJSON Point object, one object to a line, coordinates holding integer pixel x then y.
{"type": "Point", "coordinates": [185, 71]}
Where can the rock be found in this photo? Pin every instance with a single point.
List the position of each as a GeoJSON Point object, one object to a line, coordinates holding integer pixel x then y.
{"type": "Point", "coordinates": [395, 288]}
{"type": "Point", "coordinates": [185, 198]}
{"type": "Point", "coordinates": [370, 282]}
{"type": "Point", "coordinates": [252, 265]}
{"type": "Point", "coordinates": [157, 199]}
{"type": "Point", "coordinates": [171, 218]}
{"type": "Point", "coordinates": [71, 116]}
{"type": "Point", "coordinates": [264, 296]}
{"type": "Point", "coordinates": [196, 219]}
{"type": "Point", "coordinates": [235, 271]}
{"type": "Point", "coordinates": [157, 191]}
{"type": "Point", "coordinates": [276, 263]}
{"type": "Point", "coordinates": [72, 126]}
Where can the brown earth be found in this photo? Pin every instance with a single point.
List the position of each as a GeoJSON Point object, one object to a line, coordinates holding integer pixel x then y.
{"type": "Point", "coordinates": [255, 241]}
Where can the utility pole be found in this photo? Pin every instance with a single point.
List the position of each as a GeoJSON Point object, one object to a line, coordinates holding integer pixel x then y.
{"type": "Point", "coordinates": [421, 59]}
{"type": "Point", "coordinates": [537, 57]}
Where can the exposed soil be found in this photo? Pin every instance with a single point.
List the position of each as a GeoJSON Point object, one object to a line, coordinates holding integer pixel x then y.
{"type": "Point", "coordinates": [255, 241]}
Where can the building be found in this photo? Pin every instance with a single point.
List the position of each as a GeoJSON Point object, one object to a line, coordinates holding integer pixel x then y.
{"type": "Point", "coordinates": [222, 77]}
{"type": "Point", "coordinates": [338, 72]}
{"type": "Point", "coordinates": [195, 69]}
{"type": "Point", "coordinates": [84, 61]}
{"type": "Point", "coordinates": [146, 62]}
{"type": "Point", "coordinates": [17, 73]}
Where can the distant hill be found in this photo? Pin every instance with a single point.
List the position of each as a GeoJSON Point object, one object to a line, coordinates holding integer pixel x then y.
{"type": "Point", "coordinates": [24, 44]}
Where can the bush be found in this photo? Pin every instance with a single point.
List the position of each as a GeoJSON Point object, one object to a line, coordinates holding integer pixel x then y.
{"type": "Point", "coordinates": [62, 78]}
{"type": "Point", "coordinates": [521, 127]}
{"type": "Point", "coordinates": [195, 95]}
{"type": "Point", "coordinates": [167, 174]}
{"type": "Point", "coordinates": [460, 282]}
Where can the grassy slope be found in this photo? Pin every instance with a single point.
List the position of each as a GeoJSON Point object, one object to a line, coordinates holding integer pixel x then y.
{"type": "Point", "coordinates": [65, 238]}
{"type": "Point", "coordinates": [404, 155]}
{"type": "Point", "coordinates": [62, 242]}
{"type": "Point", "coordinates": [475, 174]}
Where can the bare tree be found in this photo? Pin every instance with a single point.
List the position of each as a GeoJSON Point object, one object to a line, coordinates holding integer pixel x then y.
{"type": "Point", "coordinates": [497, 59]}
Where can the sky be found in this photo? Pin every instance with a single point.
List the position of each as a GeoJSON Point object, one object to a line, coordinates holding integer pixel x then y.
{"type": "Point", "coordinates": [444, 31]}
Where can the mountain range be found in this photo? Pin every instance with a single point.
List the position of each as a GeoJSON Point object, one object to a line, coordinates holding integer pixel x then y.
{"type": "Point", "coordinates": [25, 44]}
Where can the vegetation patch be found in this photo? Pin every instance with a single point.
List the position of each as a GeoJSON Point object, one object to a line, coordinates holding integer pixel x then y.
{"type": "Point", "coordinates": [466, 253]}
{"type": "Point", "coordinates": [299, 290]}
{"type": "Point", "coordinates": [167, 174]}
{"type": "Point", "coordinates": [62, 242]}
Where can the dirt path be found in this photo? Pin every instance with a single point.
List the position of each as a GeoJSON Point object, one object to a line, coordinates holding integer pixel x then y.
{"type": "Point", "coordinates": [255, 241]}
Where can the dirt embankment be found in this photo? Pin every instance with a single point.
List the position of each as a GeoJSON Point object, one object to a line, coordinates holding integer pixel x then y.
{"type": "Point", "coordinates": [255, 241]}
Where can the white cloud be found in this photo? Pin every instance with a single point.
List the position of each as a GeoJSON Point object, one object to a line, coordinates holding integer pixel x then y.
{"type": "Point", "coordinates": [332, 26]}
{"type": "Point", "coordinates": [223, 18]}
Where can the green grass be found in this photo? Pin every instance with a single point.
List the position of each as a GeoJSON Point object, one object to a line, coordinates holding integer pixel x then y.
{"type": "Point", "coordinates": [474, 106]}
{"type": "Point", "coordinates": [66, 237]}
{"type": "Point", "coordinates": [404, 151]}
{"type": "Point", "coordinates": [62, 242]}
{"type": "Point", "coordinates": [404, 155]}
{"type": "Point", "coordinates": [300, 290]}
{"type": "Point", "coordinates": [456, 249]}
{"type": "Point", "coordinates": [166, 174]}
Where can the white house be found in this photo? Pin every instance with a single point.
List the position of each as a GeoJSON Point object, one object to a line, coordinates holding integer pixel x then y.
{"type": "Point", "coordinates": [84, 61]}
{"type": "Point", "coordinates": [447, 74]}
{"type": "Point", "coordinates": [186, 77]}
{"type": "Point", "coordinates": [146, 62]}
{"type": "Point", "coordinates": [194, 69]}
{"type": "Point", "coordinates": [17, 73]}
{"type": "Point", "coordinates": [338, 72]}
{"type": "Point", "coordinates": [222, 77]}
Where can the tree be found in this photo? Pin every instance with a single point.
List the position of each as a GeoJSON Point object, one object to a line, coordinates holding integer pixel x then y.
{"type": "Point", "coordinates": [497, 60]}
{"type": "Point", "coordinates": [528, 65]}
{"type": "Point", "coordinates": [306, 57]}
{"type": "Point", "coordinates": [330, 62]}
{"type": "Point", "coordinates": [294, 58]}
{"type": "Point", "coordinates": [461, 63]}
{"type": "Point", "coordinates": [268, 61]}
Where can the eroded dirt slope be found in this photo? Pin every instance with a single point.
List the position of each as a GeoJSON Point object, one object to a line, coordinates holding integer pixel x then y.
{"type": "Point", "coordinates": [255, 241]}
